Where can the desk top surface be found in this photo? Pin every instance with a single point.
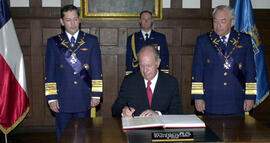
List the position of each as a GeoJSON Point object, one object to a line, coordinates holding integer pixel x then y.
{"type": "Point", "coordinates": [219, 129]}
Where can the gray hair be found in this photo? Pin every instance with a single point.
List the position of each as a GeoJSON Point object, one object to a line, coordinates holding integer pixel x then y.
{"type": "Point", "coordinates": [224, 7]}
{"type": "Point", "coordinates": [154, 51]}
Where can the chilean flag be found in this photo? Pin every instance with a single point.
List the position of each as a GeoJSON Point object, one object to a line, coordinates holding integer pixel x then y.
{"type": "Point", "coordinates": [14, 102]}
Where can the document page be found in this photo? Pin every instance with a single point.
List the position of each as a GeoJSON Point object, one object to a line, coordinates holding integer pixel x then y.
{"type": "Point", "coordinates": [182, 121]}
{"type": "Point", "coordinates": [142, 122]}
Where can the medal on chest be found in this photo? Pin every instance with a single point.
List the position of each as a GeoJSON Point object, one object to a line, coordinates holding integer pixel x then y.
{"type": "Point", "coordinates": [73, 59]}
{"type": "Point", "coordinates": [227, 65]}
{"type": "Point", "coordinates": [72, 44]}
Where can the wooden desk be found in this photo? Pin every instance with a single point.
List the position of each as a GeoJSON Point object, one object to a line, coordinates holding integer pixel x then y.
{"type": "Point", "coordinates": [219, 128]}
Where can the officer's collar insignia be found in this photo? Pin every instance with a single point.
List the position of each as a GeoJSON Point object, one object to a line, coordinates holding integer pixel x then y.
{"type": "Point", "coordinates": [216, 41]}
{"type": "Point", "coordinates": [234, 41]}
{"type": "Point", "coordinates": [81, 42]}
{"type": "Point", "coordinates": [65, 43]}
{"type": "Point", "coordinates": [84, 49]}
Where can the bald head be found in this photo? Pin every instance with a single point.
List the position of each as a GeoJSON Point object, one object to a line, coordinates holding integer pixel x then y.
{"type": "Point", "coordinates": [149, 62]}
{"type": "Point", "coordinates": [149, 49]}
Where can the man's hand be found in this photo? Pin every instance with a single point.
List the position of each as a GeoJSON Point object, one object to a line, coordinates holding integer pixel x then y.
{"type": "Point", "coordinates": [95, 102]}
{"type": "Point", "coordinates": [248, 104]}
{"type": "Point", "coordinates": [54, 106]}
{"type": "Point", "coordinates": [200, 105]}
{"type": "Point", "coordinates": [128, 111]}
{"type": "Point", "coordinates": [148, 112]}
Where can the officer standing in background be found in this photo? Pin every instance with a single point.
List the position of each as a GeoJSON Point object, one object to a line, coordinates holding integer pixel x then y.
{"type": "Point", "coordinates": [146, 36]}
{"type": "Point", "coordinates": [223, 72]}
{"type": "Point", "coordinates": [73, 82]}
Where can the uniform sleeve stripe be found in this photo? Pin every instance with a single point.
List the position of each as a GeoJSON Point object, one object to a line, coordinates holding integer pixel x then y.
{"type": "Point", "coordinates": [197, 88]}
{"type": "Point", "coordinates": [50, 88]}
{"type": "Point", "coordinates": [97, 86]}
{"type": "Point", "coordinates": [251, 89]}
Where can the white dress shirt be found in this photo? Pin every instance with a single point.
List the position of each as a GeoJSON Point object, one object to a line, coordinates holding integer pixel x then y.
{"type": "Point", "coordinates": [75, 36]}
{"type": "Point", "coordinates": [143, 33]}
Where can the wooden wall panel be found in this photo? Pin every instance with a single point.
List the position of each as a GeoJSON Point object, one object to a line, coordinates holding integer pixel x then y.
{"type": "Point", "coordinates": [189, 36]}
{"type": "Point", "coordinates": [168, 32]}
{"type": "Point", "coordinates": [265, 38]}
{"type": "Point", "coordinates": [47, 33]}
{"type": "Point", "coordinates": [186, 83]}
{"type": "Point", "coordinates": [109, 68]}
{"type": "Point", "coordinates": [25, 36]}
{"type": "Point", "coordinates": [35, 25]}
{"type": "Point", "coordinates": [108, 36]}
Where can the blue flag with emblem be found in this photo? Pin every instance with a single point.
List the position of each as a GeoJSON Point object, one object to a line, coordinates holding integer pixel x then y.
{"type": "Point", "coordinates": [244, 22]}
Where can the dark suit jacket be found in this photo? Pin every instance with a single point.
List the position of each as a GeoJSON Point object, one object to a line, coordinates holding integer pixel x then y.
{"type": "Point", "coordinates": [70, 90]}
{"type": "Point", "coordinates": [166, 97]}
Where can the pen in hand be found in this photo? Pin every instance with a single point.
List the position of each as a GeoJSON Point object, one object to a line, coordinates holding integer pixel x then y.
{"type": "Point", "coordinates": [130, 110]}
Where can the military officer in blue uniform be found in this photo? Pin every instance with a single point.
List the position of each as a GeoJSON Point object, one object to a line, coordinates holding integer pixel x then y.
{"type": "Point", "coordinates": [73, 82]}
{"type": "Point", "coordinates": [146, 36]}
{"type": "Point", "coordinates": [223, 74]}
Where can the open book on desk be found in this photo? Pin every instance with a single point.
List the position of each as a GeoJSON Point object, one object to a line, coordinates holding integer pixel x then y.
{"type": "Point", "coordinates": [165, 121]}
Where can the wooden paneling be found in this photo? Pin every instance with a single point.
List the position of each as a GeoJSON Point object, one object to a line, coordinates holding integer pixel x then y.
{"type": "Point", "coordinates": [265, 38]}
{"type": "Point", "coordinates": [108, 36]}
{"type": "Point", "coordinates": [189, 36]}
{"type": "Point", "coordinates": [110, 88]}
{"type": "Point", "coordinates": [47, 33]}
{"type": "Point", "coordinates": [168, 32]}
{"type": "Point", "coordinates": [35, 25]}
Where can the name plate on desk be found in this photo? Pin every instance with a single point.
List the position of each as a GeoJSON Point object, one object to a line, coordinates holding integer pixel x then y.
{"type": "Point", "coordinates": [172, 136]}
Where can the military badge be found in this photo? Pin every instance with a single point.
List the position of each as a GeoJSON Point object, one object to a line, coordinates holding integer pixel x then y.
{"type": "Point", "coordinates": [227, 65]}
{"type": "Point", "coordinates": [240, 66]}
{"type": "Point", "coordinates": [84, 49]}
{"type": "Point", "coordinates": [86, 66]}
{"type": "Point", "coordinates": [157, 46]}
{"type": "Point", "coordinates": [72, 45]}
{"type": "Point", "coordinates": [73, 59]}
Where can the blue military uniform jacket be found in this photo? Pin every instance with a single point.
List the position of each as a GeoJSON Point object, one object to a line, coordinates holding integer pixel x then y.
{"type": "Point", "coordinates": [136, 41]}
{"type": "Point", "coordinates": [67, 85]}
{"type": "Point", "coordinates": [224, 76]}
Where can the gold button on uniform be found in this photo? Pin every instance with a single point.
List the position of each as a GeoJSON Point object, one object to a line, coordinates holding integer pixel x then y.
{"type": "Point", "coordinates": [75, 82]}
{"type": "Point", "coordinates": [225, 83]}
{"type": "Point", "coordinates": [225, 74]}
{"type": "Point", "coordinates": [75, 73]}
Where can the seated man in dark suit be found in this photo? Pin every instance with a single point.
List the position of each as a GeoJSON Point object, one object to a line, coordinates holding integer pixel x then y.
{"type": "Point", "coordinates": [148, 92]}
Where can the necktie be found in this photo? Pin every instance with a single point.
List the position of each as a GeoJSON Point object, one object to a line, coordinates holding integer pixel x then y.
{"type": "Point", "coordinates": [146, 36]}
{"type": "Point", "coordinates": [149, 93]}
{"type": "Point", "coordinates": [72, 41]}
{"type": "Point", "coordinates": [223, 38]}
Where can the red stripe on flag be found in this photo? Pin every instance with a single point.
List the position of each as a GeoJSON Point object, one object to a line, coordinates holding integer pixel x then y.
{"type": "Point", "coordinates": [14, 102]}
